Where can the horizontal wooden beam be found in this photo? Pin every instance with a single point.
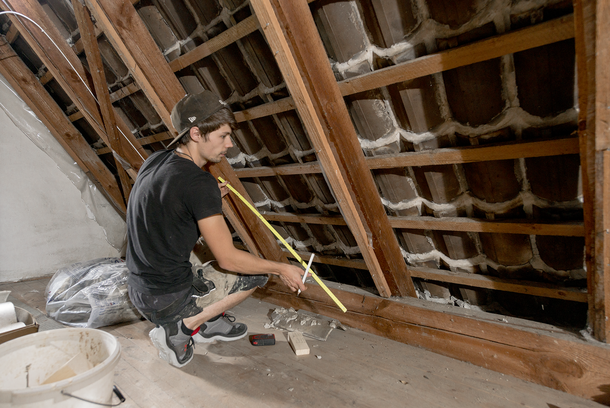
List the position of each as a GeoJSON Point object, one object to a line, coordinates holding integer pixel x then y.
{"type": "Point", "coordinates": [557, 360]}
{"type": "Point", "coordinates": [458, 155]}
{"type": "Point", "coordinates": [227, 37]}
{"type": "Point", "coordinates": [519, 40]}
{"type": "Point", "coordinates": [159, 137]}
{"type": "Point", "coordinates": [526, 227]}
{"type": "Point", "coordinates": [472, 154]}
{"type": "Point", "coordinates": [469, 279]}
{"type": "Point", "coordinates": [505, 285]}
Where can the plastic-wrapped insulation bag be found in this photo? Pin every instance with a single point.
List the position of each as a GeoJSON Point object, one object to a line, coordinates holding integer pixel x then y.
{"type": "Point", "coordinates": [91, 294]}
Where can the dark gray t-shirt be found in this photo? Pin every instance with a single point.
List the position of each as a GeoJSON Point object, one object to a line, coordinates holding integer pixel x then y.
{"type": "Point", "coordinates": [170, 195]}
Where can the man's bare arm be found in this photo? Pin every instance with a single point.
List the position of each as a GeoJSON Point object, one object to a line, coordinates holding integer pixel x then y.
{"type": "Point", "coordinates": [217, 236]}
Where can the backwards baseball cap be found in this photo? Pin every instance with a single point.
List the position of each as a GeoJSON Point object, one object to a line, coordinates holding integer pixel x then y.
{"type": "Point", "coordinates": [192, 109]}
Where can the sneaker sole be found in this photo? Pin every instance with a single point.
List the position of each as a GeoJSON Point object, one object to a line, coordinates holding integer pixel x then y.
{"type": "Point", "coordinates": [157, 335]}
{"type": "Point", "coordinates": [198, 338]}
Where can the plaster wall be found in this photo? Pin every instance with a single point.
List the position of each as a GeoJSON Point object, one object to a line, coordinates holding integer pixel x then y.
{"type": "Point", "coordinates": [48, 214]}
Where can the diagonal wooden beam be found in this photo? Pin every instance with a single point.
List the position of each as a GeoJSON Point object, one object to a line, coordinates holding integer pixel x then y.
{"type": "Point", "coordinates": [322, 109]}
{"type": "Point", "coordinates": [593, 94]}
{"type": "Point", "coordinates": [96, 68]}
{"type": "Point", "coordinates": [132, 40]}
{"type": "Point", "coordinates": [68, 71]}
{"type": "Point", "coordinates": [128, 35]}
{"type": "Point", "coordinates": [25, 83]}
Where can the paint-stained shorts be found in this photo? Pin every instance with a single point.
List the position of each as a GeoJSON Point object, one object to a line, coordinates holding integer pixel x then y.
{"type": "Point", "coordinates": [210, 285]}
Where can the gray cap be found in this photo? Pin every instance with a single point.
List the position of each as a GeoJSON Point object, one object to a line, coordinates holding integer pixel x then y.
{"type": "Point", "coordinates": [192, 109]}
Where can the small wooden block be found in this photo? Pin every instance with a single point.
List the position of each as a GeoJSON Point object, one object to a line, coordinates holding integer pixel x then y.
{"type": "Point", "coordinates": [298, 343]}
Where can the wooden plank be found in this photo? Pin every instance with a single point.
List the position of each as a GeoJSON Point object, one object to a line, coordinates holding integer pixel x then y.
{"type": "Point", "coordinates": [69, 73]}
{"type": "Point", "coordinates": [227, 37]}
{"type": "Point", "coordinates": [602, 77]}
{"type": "Point", "coordinates": [505, 285]}
{"type": "Point", "coordinates": [124, 92]}
{"type": "Point", "coordinates": [606, 243]}
{"type": "Point", "coordinates": [469, 279]}
{"type": "Point", "coordinates": [96, 68]}
{"type": "Point", "coordinates": [519, 40]}
{"type": "Point", "coordinates": [564, 229]}
{"type": "Point", "coordinates": [46, 78]}
{"type": "Point", "coordinates": [133, 41]}
{"type": "Point", "coordinates": [311, 83]}
{"type": "Point", "coordinates": [25, 83]}
{"type": "Point", "coordinates": [271, 108]}
{"type": "Point", "coordinates": [560, 361]}
{"type": "Point", "coordinates": [469, 154]}
{"type": "Point", "coordinates": [12, 34]}
{"type": "Point", "coordinates": [602, 144]}
{"type": "Point", "coordinates": [585, 42]}
{"type": "Point", "coordinates": [159, 137]}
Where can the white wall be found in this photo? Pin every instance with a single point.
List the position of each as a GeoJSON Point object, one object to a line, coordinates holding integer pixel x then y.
{"type": "Point", "coordinates": [44, 221]}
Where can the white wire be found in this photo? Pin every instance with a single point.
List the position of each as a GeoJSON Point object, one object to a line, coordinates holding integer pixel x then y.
{"type": "Point", "coordinates": [72, 66]}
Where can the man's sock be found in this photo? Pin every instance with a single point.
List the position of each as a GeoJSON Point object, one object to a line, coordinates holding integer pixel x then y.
{"type": "Point", "coordinates": [188, 331]}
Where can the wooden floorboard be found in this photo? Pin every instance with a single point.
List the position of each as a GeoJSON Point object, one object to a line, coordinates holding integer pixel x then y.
{"type": "Point", "coordinates": [351, 368]}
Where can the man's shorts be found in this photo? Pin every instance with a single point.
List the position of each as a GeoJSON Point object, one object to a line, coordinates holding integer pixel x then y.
{"type": "Point", "coordinates": [210, 285]}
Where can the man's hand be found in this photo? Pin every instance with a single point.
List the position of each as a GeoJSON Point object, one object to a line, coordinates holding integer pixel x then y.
{"type": "Point", "coordinates": [224, 190]}
{"type": "Point", "coordinates": [292, 277]}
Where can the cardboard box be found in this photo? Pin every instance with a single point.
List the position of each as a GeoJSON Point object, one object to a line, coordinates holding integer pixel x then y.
{"type": "Point", "coordinates": [31, 326]}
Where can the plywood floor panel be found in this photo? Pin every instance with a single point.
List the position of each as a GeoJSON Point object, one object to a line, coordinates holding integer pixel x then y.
{"type": "Point", "coordinates": [354, 369]}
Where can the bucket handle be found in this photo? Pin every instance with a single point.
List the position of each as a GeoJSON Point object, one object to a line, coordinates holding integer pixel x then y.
{"type": "Point", "coordinates": [114, 389]}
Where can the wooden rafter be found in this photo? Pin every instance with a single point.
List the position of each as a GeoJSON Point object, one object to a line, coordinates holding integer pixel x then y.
{"type": "Point", "coordinates": [25, 83]}
{"type": "Point", "coordinates": [142, 59]}
{"type": "Point", "coordinates": [558, 361]}
{"type": "Point", "coordinates": [313, 87]}
{"type": "Point", "coordinates": [96, 68]}
{"type": "Point", "coordinates": [69, 72]}
{"type": "Point", "coordinates": [562, 229]}
{"type": "Point", "coordinates": [592, 58]}
{"type": "Point", "coordinates": [128, 34]}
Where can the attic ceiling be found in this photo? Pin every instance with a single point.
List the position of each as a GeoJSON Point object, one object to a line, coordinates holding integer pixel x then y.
{"type": "Point", "coordinates": [472, 146]}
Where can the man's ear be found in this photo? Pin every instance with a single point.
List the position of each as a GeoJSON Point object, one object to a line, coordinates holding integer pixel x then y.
{"type": "Point", "coordinates": [195, 134]}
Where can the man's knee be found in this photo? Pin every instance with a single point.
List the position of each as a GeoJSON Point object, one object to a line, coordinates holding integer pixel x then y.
{"type": "Point", "coordinates": [248, 283]}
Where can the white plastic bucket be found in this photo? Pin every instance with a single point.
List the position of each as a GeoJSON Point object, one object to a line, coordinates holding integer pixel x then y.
{"type": "Point", "coordinates": [27, 362]}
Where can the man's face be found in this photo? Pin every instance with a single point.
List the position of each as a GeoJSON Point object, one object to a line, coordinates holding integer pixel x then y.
{"type": "Point", "coordinates": [219, 141]}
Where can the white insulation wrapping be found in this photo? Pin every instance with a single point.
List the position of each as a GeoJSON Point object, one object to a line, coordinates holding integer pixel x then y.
{"type": "Point", "coordinates": [97, 206]}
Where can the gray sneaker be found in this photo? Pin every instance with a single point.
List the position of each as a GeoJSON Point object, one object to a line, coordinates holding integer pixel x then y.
{"type": "Point", "coordinates": [174, 346]}
{"type": "Point", "coordinates": [221, 327]}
